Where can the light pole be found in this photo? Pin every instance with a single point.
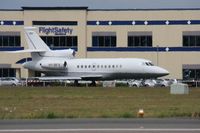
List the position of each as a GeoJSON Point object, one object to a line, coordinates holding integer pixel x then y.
{"type": "Point", "coordinates": [157, 54]}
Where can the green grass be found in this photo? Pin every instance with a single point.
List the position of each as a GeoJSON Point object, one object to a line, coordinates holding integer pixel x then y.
{"type": "Point", "coordinates": [94, 102]}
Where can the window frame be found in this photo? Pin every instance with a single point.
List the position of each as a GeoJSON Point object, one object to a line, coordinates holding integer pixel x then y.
{"type": "Point", "coordinates": [139, 41]}
{"type": "Point", "coordinates": [191, 40]}
{"type": "Point", "coordinates": [73, 40]}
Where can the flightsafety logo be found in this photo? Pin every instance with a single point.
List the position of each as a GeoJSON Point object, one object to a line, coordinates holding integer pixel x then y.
{"type": "Point", "coordinates": [55, 30]}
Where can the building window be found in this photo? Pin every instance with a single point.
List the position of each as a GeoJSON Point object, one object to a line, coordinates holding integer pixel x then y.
{"type": "Point", "coordinates": [104, 39]}
{"type": "Point", "coordinates": [60, 41]}
{"type": "Point", "coordinates": [37, 74]}
{"type": "Point", "coordinates": [191, 71]}
{"type": "Point", "coordinates": [7, 72]}
{"type": "Point", "coordinates": [191, 41]}
{"type": "Point", "coordinates": [55, 23]}
{"type": "Point", "coordinates": [139, 39]}
{"type": "Point", "coordinates": [7, 40]}
{"type": "Point", "coordinates": [191, 74]}
{"type": "Point", "coordinates": [191, 38]}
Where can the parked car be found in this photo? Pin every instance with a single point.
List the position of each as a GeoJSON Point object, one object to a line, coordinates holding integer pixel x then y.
{"type": "Point", "coordinates": [135, 83]}
{"type": "Point", "coordinates": [162, 83]}
{"type": "Point", "coordinates": [9, 81]}
{"type": "Point", "coordinates": [150, 83]}
{"type": "Point", "coordinates": [173, 81]}
{"type": "Point", "coordinates": [165, 82]}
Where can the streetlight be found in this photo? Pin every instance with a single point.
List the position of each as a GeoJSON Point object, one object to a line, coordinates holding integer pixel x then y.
{"type": "Point", "coordinates": [157, 56]}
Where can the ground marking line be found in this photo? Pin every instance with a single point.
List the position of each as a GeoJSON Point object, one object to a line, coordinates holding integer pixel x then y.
{"type": "Point", "coordinates": [98, 129]}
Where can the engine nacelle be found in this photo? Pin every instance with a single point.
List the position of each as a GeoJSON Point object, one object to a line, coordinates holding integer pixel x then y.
{"type": "Point", "coordinates": [54, 65]}
{"type": "Point", "coordinates": [68, 53]}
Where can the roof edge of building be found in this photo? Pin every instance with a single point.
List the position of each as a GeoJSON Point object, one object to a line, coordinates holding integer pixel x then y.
{"type": "Point", "coordinates": [56, 8]}
{"type": "Point", "coordinates": [150, 9]}
{"type": "Point", "coordinates": [86, 8]}
{"type": "Point", "coordinates": [11, 10]}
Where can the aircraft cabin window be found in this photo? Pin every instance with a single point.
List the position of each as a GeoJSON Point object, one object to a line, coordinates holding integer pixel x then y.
{"type": "Point", "coordinates": [85, 66]}
{"type": "Point", "coordinates": [120, 66]}
{"type": "Point", "coordinates": [109, 66]}
{"type": "Point", "coordinates": [65, 64]}
{"type": "Point", "coordinates": [81, 66]}
{"type": "Point", "coordinates": [105, 66]}
{"type": "Point", "coordinates": [97, 66]}
{"type": "Point", "coordinates": [89, 66]}
{"type": "Point", "coordinates": [113, 66]}
{"type": "Point", "coordinates": [77, 66]}
{"type": "Point", "coordinates": [101, 66]}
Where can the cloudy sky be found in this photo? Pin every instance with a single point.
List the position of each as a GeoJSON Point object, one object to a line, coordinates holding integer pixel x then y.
{"type": "Point", "coordinates": [103, 4]}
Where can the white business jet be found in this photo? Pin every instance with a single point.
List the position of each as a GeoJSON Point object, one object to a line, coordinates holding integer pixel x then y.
{"type": "Point", "coordinates": [61, 64]}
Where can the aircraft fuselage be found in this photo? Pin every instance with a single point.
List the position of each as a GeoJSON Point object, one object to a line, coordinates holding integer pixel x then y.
{"type": "Point", "coordinates": [97, 68]}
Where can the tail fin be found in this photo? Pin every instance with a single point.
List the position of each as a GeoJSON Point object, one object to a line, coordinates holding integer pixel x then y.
{"type": "Point", "coordinates": [35, 43]}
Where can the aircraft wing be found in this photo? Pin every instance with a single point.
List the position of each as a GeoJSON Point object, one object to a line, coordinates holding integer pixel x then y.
{"type": "Point", "coordinates": [59, 78]}
{"type": "Point", "coordinates": [86, 77]}
{"type": "Point", "coordinates": [91, 77]}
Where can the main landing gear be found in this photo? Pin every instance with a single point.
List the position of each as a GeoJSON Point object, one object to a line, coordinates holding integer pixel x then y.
{"type": "Point", "coordinates": [93, 83]}
{"type": "Point", "coordinates": [76, 83]}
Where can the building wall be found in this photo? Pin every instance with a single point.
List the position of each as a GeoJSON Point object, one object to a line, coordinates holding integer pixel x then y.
{"type": "Point", "coordinates": [72, 15]}
{"type": "Point", "coordinates": [163, 36]}
{"type": "Point", "coordinates": [6, 58]}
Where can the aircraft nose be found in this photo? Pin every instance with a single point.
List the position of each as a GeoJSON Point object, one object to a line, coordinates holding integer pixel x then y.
{"type": "Point", "coordinates": [162, 72]}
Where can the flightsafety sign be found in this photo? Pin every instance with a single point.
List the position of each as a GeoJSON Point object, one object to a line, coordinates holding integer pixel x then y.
{"type": "Point", "coordinates": [55, 30]}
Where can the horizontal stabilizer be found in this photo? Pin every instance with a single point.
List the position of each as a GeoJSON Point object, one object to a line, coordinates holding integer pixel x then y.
{"type": "Point", "coordinates": [27, 51]}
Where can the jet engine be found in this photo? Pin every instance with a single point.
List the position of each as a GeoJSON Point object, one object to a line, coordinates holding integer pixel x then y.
{"type": "Point", "coordinates": [68, 53]}
{"type": "Point", "coordinates": [54, 65]}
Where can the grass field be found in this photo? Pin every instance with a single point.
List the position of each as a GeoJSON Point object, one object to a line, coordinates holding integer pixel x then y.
{"type": "Point", "coordinates": [94, 102]}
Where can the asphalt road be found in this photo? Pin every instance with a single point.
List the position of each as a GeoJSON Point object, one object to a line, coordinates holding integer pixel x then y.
{"type": "Point", "coordinates": [149, 125]}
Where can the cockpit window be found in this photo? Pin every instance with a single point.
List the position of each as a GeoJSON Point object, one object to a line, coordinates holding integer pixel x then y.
{"type": "Point", "coordinates": [148, 64]}
{"type": "Point", "coordinates": [151, 64]}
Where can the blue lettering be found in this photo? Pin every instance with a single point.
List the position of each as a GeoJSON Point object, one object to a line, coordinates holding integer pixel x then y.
{"type": "Point", "coordinates": [55, 30]}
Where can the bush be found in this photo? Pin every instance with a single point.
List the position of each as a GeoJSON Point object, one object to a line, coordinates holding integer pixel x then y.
{"type": "Point", "coordinates": [127, 115]}
{"type": "Point", "coordinates": [51, 115]}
